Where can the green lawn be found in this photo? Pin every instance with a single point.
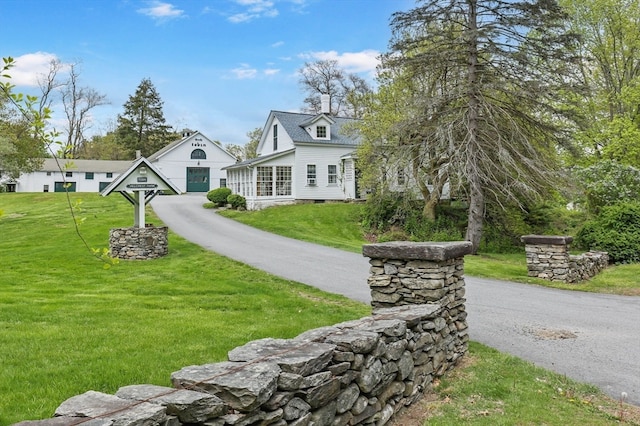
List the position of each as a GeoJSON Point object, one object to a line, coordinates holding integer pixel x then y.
{"type": "Point", "coordinates": [68, 325]}
{"type": "Point", "coordinates": [491, 388]}
{"type": "Point", "coordinates": [337, 225]}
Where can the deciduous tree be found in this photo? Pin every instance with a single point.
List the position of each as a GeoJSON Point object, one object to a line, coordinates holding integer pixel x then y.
{"type": "Point", "coordinates": [325, 77]}
{"type": "Point", "coordinates": [23, 138]}
{"type": "Point", "coordinates": [248, 150]}
{"type": "Point", "coordinates": [610, 31]}
{"type": "Point", "coordinates": [78, 102]}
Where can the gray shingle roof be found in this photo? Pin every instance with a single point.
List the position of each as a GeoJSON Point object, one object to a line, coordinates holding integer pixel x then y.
{"type": "Point", "coordinates": [96, 166]}
{"type": "Point", "coordinates": [341, 134]}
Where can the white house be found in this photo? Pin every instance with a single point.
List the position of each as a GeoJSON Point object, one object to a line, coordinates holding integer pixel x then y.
{"type": "Point", "coordinates": [192, 163]}
{"type": "Point", "coordinates": [300, 157]}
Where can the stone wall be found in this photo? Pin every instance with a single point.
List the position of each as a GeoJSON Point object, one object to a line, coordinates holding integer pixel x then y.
{"type": "Point", "coordinates": [139, 243]}
{"type": "Point", "coordinates": [360, 372]}
{"type": "Point", "coordinates": [548, 258]}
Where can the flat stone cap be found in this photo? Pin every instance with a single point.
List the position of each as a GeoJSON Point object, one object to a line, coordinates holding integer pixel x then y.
{"type": "Point", "coordinates": [547, 239]}
{"type": "Point", "coordinates": [417, 251]}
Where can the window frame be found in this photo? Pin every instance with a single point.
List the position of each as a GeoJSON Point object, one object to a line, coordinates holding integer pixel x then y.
{"type": "Point", "coordinates": [401, 178]}
{"type": "Point", "coordinates": [275, 137]}
{"type": "Point", "coordinates": [312, 175]}
{"type": "Point", "coordinates": [264, 181]}
{"type": "Point", "coordinates": [198, 154]}
{"type": "Point", "coordinates": [332, 176]}
{"type": "Point", "coordinates": [283, 181]}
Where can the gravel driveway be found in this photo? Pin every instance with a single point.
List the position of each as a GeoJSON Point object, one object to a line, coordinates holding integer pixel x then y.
{"type": "Point", "coordinates": [591, 338]}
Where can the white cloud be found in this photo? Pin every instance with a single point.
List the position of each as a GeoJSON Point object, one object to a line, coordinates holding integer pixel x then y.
{"type": "Point", "coordinates": [357, 62]}
{"type": "Point", "coordinates": [254, 9]}
{"type": "Point", "coordinates": [30, 67]}
{"type": "Point", "coordinates": [278, 44]}
{"type": "Point", "coordinates": [244, 72]}
{"type": "Point", "coordinates": [240, 17]}
{"type": "Point", "coordinates": [271, 71]}
{"type": "Point", "coordinates": [162, 12]}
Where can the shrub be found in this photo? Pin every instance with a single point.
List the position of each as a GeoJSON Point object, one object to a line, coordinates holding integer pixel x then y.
{"type": "Point", "coordinates": [616, 230]}
{"type": "Point", "coordinates": [219, 196]}
{"type": "Point", "coordinates": [237, 201]}
{"type": "Point", "coordinates": [382, 210]}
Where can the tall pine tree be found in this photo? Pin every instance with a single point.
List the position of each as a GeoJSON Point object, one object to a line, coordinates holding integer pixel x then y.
{"type": "Point", "coordinates": [142, 125]}
{"type": "Point", "coordinates": [493, 73]}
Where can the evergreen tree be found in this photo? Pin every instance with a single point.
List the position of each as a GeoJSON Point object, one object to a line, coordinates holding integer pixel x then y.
{"type": "Point", "coordinates": [492, 74]}
{"type": "Point", "coordinates": [142, 125]}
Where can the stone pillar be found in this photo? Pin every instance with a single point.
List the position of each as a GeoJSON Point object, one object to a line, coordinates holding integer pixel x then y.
{"type": "Point", "coordinates": [547, 256]}
{"type": "Point", "coordinates": [139, 243]}
{"type": "Point", "coordinates": [405, 273]}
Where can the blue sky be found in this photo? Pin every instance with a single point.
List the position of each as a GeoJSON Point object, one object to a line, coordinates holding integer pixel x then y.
{"type": "Point", "coordinates": [219, 66]}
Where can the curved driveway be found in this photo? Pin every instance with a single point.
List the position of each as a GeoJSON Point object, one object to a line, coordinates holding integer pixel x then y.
{"type": "Point", "coordinates": [591, 338]}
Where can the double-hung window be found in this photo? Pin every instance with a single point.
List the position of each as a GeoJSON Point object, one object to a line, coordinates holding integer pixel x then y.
{"type": "Point", "coordinates": [332, 174]}
{"type": "Point", "coordinates": [311, 175]}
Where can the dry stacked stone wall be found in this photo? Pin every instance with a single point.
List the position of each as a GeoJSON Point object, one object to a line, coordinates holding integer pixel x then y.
{"type": "Point", "coordinates": [360, 372]}
{"type": "Point", "coordinates": [139, 243]}
{"type": "Point", "coordinates": [548, 258]}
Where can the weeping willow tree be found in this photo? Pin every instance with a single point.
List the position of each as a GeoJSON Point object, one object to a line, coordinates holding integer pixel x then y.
{"type": "Point", "coordinates": [482, 87]}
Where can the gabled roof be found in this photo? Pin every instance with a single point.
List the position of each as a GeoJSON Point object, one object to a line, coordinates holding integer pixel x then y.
{"type": "Point", "coordinates": [163, 183]}
{"type": "Point", "coordinates": [255, 161]}
{"type": "Point", "coordinates": [294, 124]}
{"type": "Point", "coordinates": [73, 165]}
{"type": "Point", "coordinates": [168, 148]}
{"type": "Point", "coordinates": [317, 118]}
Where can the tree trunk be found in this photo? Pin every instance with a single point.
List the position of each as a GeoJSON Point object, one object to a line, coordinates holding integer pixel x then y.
{"type": "Point", "coordinates": [429, 209]}
{"type": "Point", "coordinates": [475, 216]}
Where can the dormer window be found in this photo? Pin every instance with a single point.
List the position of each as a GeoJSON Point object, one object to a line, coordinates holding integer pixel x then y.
{"type": "Point", "coordinates": [321, 132]}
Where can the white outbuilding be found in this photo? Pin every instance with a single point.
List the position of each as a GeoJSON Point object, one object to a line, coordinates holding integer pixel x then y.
{"type": "Point", "coordinates": [193, 164]}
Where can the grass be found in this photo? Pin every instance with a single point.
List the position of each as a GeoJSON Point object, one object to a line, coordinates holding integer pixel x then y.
{"type": "Point", "coordinates": [330, 224]}
{"type": "Point", "coordinates": [67, 325]}
{"type": "Point", "coordinates": [491, 388]}
{"type": "Point", "coordinates": [337, 225]}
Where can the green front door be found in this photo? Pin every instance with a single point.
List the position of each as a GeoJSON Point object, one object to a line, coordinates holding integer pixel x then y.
{"type": "Point", "coordinates": [197, 179]}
